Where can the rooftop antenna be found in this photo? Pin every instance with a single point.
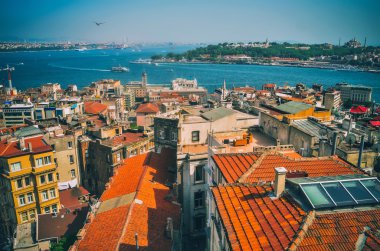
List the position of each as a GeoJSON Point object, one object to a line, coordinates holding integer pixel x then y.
{"type": "Point", "coordinates": [339, 41]}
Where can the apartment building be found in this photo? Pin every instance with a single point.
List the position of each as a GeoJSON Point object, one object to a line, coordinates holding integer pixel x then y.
{"type": "Point", "coordinates": [28, 182]}
{"type": "Point", "coordinates": [15, 114]}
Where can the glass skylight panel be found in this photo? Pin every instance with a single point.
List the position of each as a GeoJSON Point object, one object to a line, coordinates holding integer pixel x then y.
{"type": "Point", "coordinates": [337, 192]}
{"type": "Point", "coordinates": [317, 195]}
{"type": "Point", "coordinates": [358, 191]}
{"type": "Point", "coordinates": [373, 186]}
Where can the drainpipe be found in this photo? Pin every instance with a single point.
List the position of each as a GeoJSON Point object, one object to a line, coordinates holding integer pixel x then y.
{"type": "Point", "coordinates": [335, 139]}
{"type": "Point", "coordinates": [361, 151]}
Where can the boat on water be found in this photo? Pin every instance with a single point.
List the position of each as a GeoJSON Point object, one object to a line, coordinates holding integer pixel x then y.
{"type": "Point", "coordinates": [142, 61]}
{"type": "Point", "coordinates": [120, 69]}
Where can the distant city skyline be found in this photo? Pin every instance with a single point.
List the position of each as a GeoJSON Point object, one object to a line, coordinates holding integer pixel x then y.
{"type": "Point", "coordinates": [191, 21]}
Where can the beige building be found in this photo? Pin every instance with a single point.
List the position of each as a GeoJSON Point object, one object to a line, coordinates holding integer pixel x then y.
{"type": "Point", "coordinates": [65, 157]}
{"type": "Point", "coordinates": [50, 88]}
{"type": "Point", "coordinates": [332, 100]}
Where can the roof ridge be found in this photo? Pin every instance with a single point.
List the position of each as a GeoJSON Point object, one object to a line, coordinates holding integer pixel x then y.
{"type": "Point", "coordinates": [250, 170]}
{"type": "Point", "coordinates": [133, 202]}
{"type": "Point", "coordinates": [307, 222]}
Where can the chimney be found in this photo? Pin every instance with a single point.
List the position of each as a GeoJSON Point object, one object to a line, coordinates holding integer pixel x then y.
{"type": "Point", "coordinates": [21, 143]}
{"type": "Point", "coordinates": [279, 183]}
{"type": "Point", "coordinates": [30, 147]}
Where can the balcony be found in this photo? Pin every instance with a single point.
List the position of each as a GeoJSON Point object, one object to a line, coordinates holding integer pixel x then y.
{"type": "Point", "coordinates": [44, 168]}
{"type": "Point", "coordinates": [11, 174]}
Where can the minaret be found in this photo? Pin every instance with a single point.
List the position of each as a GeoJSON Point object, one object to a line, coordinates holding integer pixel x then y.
{"type": "Point", "coordinates": [144, 77]}
{"type": "Point", "coordinates": [365, 42]}
{"type": "Point", "coordinates": [224, 85]}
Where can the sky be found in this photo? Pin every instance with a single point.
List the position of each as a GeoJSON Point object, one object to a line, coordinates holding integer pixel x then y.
{"type": "Point", "coordinates": [191, 21]}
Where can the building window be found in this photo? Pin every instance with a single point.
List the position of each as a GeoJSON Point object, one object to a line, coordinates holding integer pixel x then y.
{"type": "Point", "coordinates": [24, 217]}
{"type": "Point", "coordinates": [32, 214]}
{"type": "Point", "coordinates": [21, 200]}
{"type": "Point", "coordinates": [53, 147]}
{"type": "Point", "coordinates": [199, 222]}
{"type": "Point", "coordinates": [70, 145]}
{"type": "Point", "coordinates": [72, 172]}
{"type": "Point", "coordinates": [30, 197]}
{"type": "Point", "coordinates": [19, 183]}
{"type": "Point", "coordinates": [44, 195]}
{"type": "Point", "coordinates": [39, 162]}
{"type": "Point", "coordinates": [54, 208]}
{"type": "Point", "coordinates": [86, 153]}
{"type": "Point", "coordinates": [16, 166]}
{"type": "Point", "coordinates": [50, 177]}
{"type": "Point", "coordinates": [58, 176]}
{"type": "Point", "coordinates": [199, 174]}
{"type": "Point", "coordinates": [52, 193]}
{"type": "Point", "coordinates": [71, 158]}
{"type": "Point", "coordinates": [198, 199]}
{"type": "Point", "coordinates": [118, 157]}
{"type": "Point", "coordinates": [47, 160]}
{"type": "Point", "coordinates": [27, 181]}
{"type": "Point", "coordinates": [42, 179]}
{"type": "Point", "coordinates": [47, 210]}
{"type": "Point", "coordinates": [195, 136]}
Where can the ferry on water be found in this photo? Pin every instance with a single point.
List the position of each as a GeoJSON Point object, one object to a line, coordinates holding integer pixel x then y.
{"type": "Point", "coordinates": [120, 69]}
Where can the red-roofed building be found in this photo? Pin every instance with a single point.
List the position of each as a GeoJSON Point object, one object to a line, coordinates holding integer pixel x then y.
{"type": "Point", "coordinates": [145, 114]}
{"type": "Point", "coordinates": [95, 108]}
{"type": "Point", "coordinates": [28, 178]}
{"type": "Point", "coordinates": [269, 87]}
{"type": "Point", "coordinates": [105, 156]}
{"type": "Point", "coordinates": [248, 213]}
{"type": "Point", "coordinates": [375, 123]}
{"type": "Point", "coordinates": [359, 110]}
{"type": "Point", "coordinates": [140, 206]}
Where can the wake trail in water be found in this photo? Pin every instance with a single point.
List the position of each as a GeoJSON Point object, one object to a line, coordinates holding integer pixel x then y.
{"type": "Point", "coordinates": [76, 68]}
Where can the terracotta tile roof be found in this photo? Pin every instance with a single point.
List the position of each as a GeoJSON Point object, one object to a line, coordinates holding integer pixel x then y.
{"type": "Point", "coordinates": [254, 221]}
{"type": "Point", "coordinates": [372, 242]}
{"type": "Point", "coordinates": [94, 107]}
{"type": "Point", "coordinates": [149, 219]}
{"type": "Point", "coordinates": [146, 215]}
{"type": "Point", "coordinates": [233, 166]}
{"type": "Point", "coordinates": [339, 231]}
{"type": "Point", "coordinates": [69, 198]}
{"type": "Point", "coordinates": [147, 108]}
{"type": "Point", "coordinates": [104, 232]}
{"type": "Point", "coordinates": [251, 167]}
{"type": "Point", "coordinates": [12, 148]}
{"type": "Point", "coordinates": [126, 138]}
{"type": "Point", "coordinates": [130, 171]}
{"type": "Point", "coordinates": [315, 167]}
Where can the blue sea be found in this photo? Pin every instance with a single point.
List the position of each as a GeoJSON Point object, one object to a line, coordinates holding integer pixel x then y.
{"type": "Point", "coordinates": [83, 67]}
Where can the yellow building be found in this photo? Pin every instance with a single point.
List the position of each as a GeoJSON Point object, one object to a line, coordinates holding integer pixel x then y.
{"type": "Point", "coordinates": [28, 181]}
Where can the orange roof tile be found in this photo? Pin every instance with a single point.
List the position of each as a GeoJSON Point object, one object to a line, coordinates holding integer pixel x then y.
{"type": "Point", "coordinates": [147, 108]}
{"type": "Point", "coordinates": [130, 171]}
{"type": "Point", "coordinates": [12, 149]}
{"type": "Point", "coordinates": [253, 221]}
{"type": "Point", "coordinates": [94, 107]}
{"type": "Point", "coordinates": [116, 228]}
{"type": "Point", "coordinates": [234, 166]}
{"type": "Point", "coordinates": [340, 231]}
{"type": "Point", "coordinates": [105, 230]}
{"type": "Point", "coordinates": [148, 219]}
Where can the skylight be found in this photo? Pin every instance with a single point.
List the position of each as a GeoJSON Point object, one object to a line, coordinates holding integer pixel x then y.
{"type": "Point", "coordinates": [338, 191]}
